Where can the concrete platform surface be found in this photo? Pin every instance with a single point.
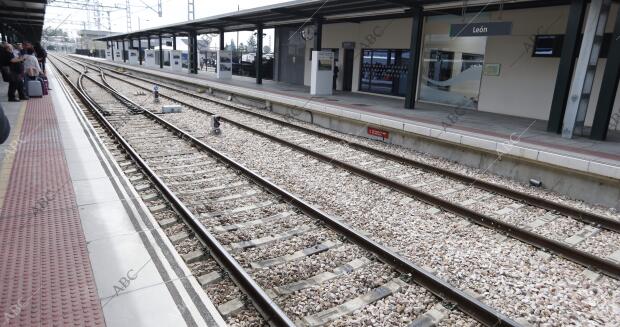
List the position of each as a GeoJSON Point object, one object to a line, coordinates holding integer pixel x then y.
{"type": "Point", "coordinates": [78, 247]}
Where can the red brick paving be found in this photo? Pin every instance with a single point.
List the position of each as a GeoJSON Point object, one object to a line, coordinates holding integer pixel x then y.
{"type": "Point", "coordinates": [45, 273]}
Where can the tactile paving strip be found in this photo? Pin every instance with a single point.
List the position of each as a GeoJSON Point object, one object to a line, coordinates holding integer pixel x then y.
{"type": "Point", "coordinates": [45, 273]}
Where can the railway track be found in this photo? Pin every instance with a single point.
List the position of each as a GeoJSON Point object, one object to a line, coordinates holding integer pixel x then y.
{"type": "Point", "coordinates": [277, 247]}
{"type": "Point", "coordinates": [374, 215]}
{"type": "Point", "coordinates": [585, 237]}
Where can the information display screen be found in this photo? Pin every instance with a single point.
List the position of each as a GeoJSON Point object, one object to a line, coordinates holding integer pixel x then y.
{"type": "Point", "coordinates": [325, 60]}
{"type": "Point", "coordinates": [551, 45]}
{"type": "Point", "coordinates": [548, 45]}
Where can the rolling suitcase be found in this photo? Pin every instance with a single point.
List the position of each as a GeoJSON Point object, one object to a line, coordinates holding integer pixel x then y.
{"type": "Point", "coordinates": [44, 84]}
{"type": "Point", "coordinates": [34, 88]}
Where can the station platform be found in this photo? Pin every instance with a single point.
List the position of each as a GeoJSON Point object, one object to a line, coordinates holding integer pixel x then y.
{"type": "Point", "coordinates": [77, 245]}
{"type": "Point", "coordinates": [505, 135]}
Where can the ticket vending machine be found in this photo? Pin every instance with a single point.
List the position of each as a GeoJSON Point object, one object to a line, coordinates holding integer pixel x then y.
{"type": "Point", "coordinates": [133, 57]}
{"type": "Point", "coordinates": [176, 62]}
{"type": "Point", "coordinates": [149, 58]}
{"type": "Point", "coordinates": [322, 73]}
{"type": "Point", "coordinates": [118, 55]}
{"type": "Point", "coordinates": [108, 54]}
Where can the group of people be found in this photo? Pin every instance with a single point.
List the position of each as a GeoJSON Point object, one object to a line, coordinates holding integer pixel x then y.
{"type": "Point", "coordinates": [205, 63]}
{"type": "Point", "coordinates": [19, 64]}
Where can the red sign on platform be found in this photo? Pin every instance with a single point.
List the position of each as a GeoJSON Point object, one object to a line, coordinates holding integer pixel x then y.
{"type": "Point", "coordinates": [377, 132]}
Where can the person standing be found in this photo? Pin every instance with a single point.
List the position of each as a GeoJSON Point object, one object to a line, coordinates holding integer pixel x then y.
{"type": "Point", "coordinates": [335, 79]}
{"type": "Point", "coordinates": [18, 50]}
{"type": "Point", "coordinates": [31, 64]}
{"type": "Point", "coordinates": [15, 64]}
{"type": "Point", "coordinates": [5, 126]}
{"type": "Point", "coordinates": [41, 55]}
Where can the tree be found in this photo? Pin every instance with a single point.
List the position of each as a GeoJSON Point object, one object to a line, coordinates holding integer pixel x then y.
{"type": "Point", "coordinates": [231, 46]}
{"type": "Point", "coordinates": [251, 43]}
{"type": "Point", "coordinates": [266, 49]}
{"type": "Point", "coordinates": [48, 31]}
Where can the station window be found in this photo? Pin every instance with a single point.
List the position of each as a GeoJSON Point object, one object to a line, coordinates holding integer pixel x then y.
{"type": "Point", "coordinates": [452, 70]}
{"type": "Point", "coordinates": [384, 71]}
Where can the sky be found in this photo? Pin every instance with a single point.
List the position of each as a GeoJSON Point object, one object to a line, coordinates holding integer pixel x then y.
{"type": "Point", "coordinates": [173, 11]}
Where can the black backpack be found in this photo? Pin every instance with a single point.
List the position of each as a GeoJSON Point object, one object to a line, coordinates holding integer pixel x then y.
{"type": "Point", "coordinates": [5, 127]}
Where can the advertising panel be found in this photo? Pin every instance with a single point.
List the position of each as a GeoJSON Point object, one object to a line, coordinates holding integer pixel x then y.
{"type": "Point", "coordinates": [149, 58]}
{"type": "Point", "coordinates": [224, 64]}
{"type": "Point", "coordinates": [176, 63]}
{"type": "Point", "coordinates": [133, 57]}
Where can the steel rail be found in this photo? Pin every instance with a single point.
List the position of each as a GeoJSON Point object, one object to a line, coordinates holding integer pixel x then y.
{"type": "Point", "coordinates": [265, 305]}
{"type": "Point", "coordinates": [583, 258]}
{"type": "Point", "coordinates": [575, 213]}
{"type": "Point", "coordinates": [465, 302]}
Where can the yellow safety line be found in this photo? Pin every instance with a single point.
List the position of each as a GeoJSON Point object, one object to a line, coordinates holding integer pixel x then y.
{"type": "Point", "coordinates": [11, 149]}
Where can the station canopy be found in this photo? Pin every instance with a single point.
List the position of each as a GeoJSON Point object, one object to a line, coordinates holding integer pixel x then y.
{"type": "Point", "coordinates": [303, 12]}
{"type": "Point", "coordinates": [24, 18]}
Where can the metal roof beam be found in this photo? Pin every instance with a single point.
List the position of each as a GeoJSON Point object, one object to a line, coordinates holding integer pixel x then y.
{"type": "Point", "coordinates": [23, 10]}
{"type": "Point", "coordinates": [18, 22]}
{"type": "Point", "coordinates": [290, 12]}
{"type": "Point", "coordinates": [21, 17]}
{"type": "Point", "coordinates": [352, 11]}
{"type": "Point", "coordinates": [238, 20]}
{"type": "Point", "coordinates": [359, 9]}
{"type": "Point", "coordinates": [408, 3]}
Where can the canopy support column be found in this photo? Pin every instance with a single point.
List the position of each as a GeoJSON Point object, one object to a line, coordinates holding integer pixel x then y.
{"type": "Point", "coordinates": [140, 51]}
{"type": "Point", "coordinates": [193, 52]}
{"type": "Point", "coordinates": [318, 34]}
{"type": "Point", "coordinates": [415, 47]}
{"type": "Point", "coordinates": [123, 54]}
{"type": "Point", "coordinates": [609, 87]}
{"type": "Point", "coordinates": [222, 41]}
{"type": "Point", "coordinates": [161, 53]}
{"type": "Point", "coordinates": [570, 51]}
{"type": "Point", "coordinates": [259, 55]}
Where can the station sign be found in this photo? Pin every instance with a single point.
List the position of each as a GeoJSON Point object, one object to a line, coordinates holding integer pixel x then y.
{"type": "Point", "coordinates": [481, 29]}
{"type": "Point", "coordinates": [377, 132]}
